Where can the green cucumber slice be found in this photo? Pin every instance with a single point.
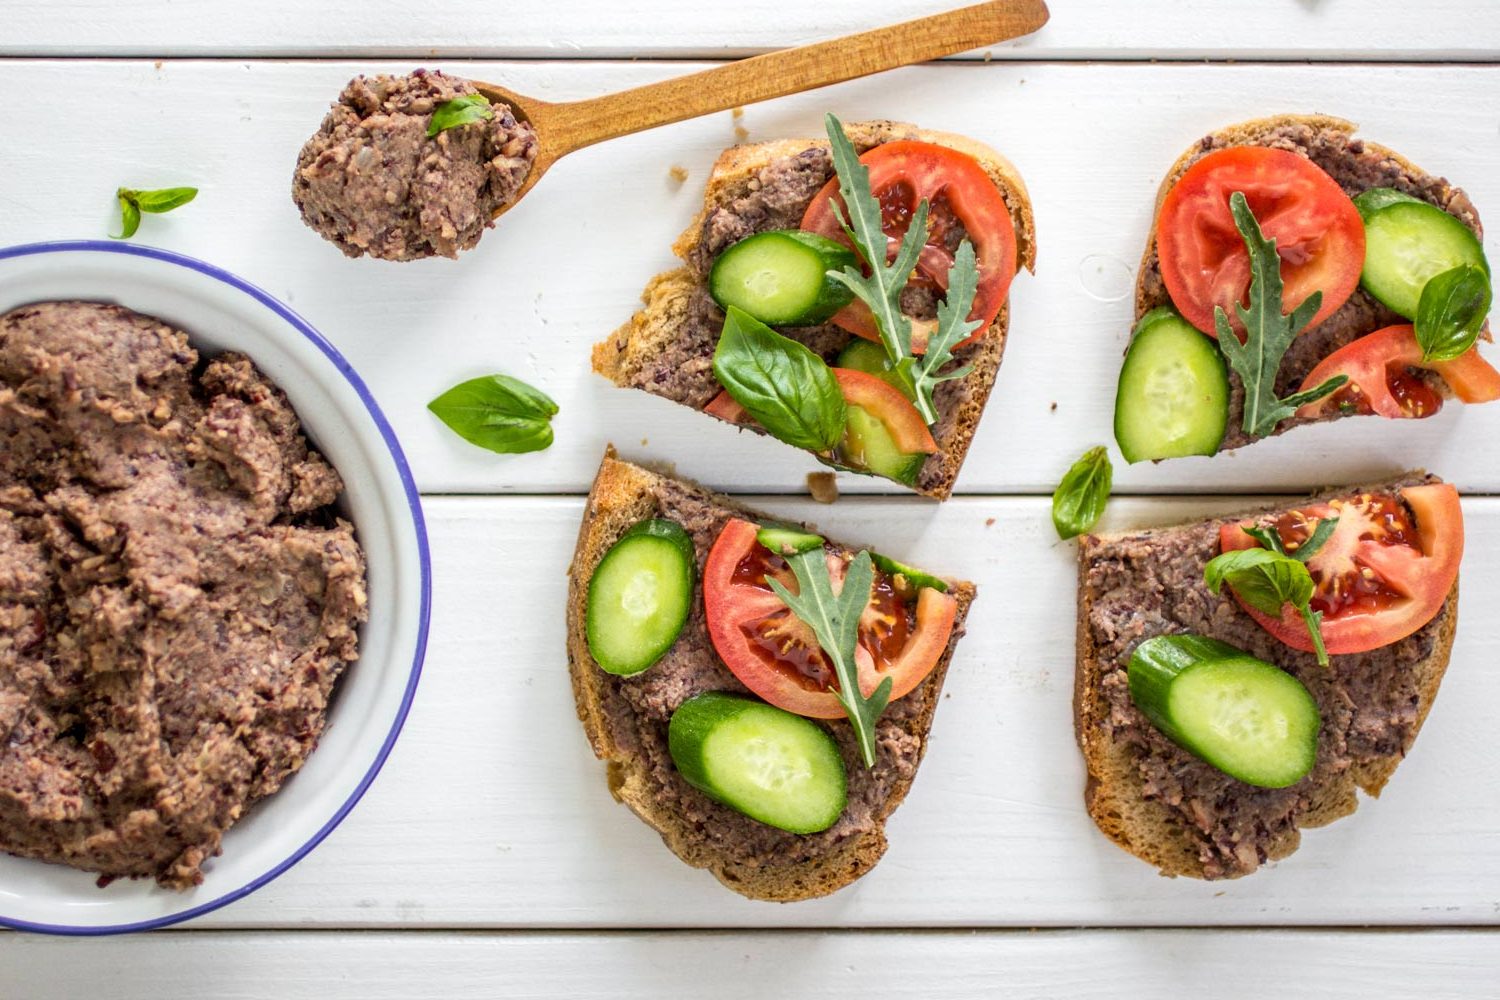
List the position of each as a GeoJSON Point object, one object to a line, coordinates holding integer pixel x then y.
{"type": "Point", "coordinates": [1250, 719]}
{"type": "Point", "coordinates": [1375, 199]}
{"type": "Point", "coordinates": [781, 277]}
{"type": "Point", "coordinates": [788, 541]}
{"type": "Point", "coordinates": [1173, 395]}
{"type": "Point", "coordinates": [771, 765]}
{"type": "Point", "coordinates": [1409, 242]}
{"type": "Point", "coordinates": [907, 577]}
{"type": "Point", "coordinates": [868, 446]}
{"type": "Point", "coordinates": [639, 596]}
{"type": "Point", "coordinates": [864, 356]}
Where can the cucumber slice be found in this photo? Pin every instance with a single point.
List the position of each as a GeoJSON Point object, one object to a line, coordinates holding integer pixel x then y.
{"type": "Point", "coordinates": [1407, 243]}
{"type": "Point", "coordinates": [781, 277]}
{"type": "Point", "coordinates": [1173, 396]}
{"type": "Point", "coordinates": [907, 577]}
{"type": "Point", "coordinates": [868, 446]}
{"type": "Point", "coordinates": [864, 356]}
{"type": "Point", "coordinates": [1251, 720]}
{"type": "Point", "coordinates": [1375, 199]}
{"type": "Point", "coordinates": [640, 596]}
{"type": "Point", "coordinates": [773, 766]}
{"type": "Point", "coordinates": [788, 541]}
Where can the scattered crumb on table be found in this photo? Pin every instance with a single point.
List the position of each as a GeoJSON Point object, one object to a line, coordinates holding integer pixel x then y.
{"type": "Point", "coordinates": [678, 173]}
{"type": "Point", "coordinates": [822, 486]}
{"type": "Point", "coordinates": [989, 521]}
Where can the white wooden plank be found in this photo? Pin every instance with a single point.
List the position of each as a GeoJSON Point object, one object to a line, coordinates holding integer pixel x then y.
{"type": "Point", "coordinates": [492, 812]}
{"type": "Point", "coordinates": [1079, 29]}
{"type": "Point", "coordinates": [567, 266]}
{"type": "Point", "coordinates": [1086, 965]}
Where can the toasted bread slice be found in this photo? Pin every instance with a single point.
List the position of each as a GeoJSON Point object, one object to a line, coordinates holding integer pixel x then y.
{"type": "Point", "coordinates": [666, 348]}
{"type": "Point", "coordinates": [1357, 165]}
{"type": "Point", "coordinates": [626, 718]}
{"type": "Point", "coordinates": [1173, 810]}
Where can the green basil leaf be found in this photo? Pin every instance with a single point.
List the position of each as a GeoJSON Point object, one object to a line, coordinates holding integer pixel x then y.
{"type": "Point", "coordinates": [1268, 538]}
{"type": "Point", "coordinates": [1079, 500]}
{"type": "Point", "coordinates": [460, 111]}
{"type": "Point", "coordinates": [164, 199]}
{"type": "Point", "coordinates": [1451, 311]}
{"type": "Point", "coordinates": [787, 388]}
{"type": "Point", "coordinates": [497, 412]}
{"type": "Point", "coordinates": [1268, 581]}
{"type": "Point", "coordinates": [130, 218]}
{"type": "Point", "coordinates": [1315, 541]}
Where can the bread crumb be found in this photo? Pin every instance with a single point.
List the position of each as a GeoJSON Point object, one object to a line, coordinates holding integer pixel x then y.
{"type": "Point", "coordinates": [678, 173]}
{"type": "Point", "coordinates": [1054, 406]}
{"type": "Point", "coordinates": [988, 55]}
{"type": "Point", "coordinates": [737, 113]}
{"type": "Point", "coordinates": [823, 487]}
{"type": "Point", "coordinates": [741, 133]}
{"type": "Point", "coordinates": [157, 64]}
{"type": "Point", "coordinates": [644, 442]}
{"type": "Point", "coordinates": [989, 521]}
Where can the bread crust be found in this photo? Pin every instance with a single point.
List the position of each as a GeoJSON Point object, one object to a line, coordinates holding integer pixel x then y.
{"type": "Point", "coordinates": [666, 296]}
{"type": "Point", "coordinates": [621, 496]}
{"type": "Point", "coordinates": [1114, 791]}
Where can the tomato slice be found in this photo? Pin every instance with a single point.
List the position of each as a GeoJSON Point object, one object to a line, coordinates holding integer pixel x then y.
{"type": "Point", "coordinates": [958, 193]}
{"type": "Point", "coordinates": [726, 408]}
{"type": "Point", "coordinates": [1384, 572]}
{"type": "Point", "coordinates": [776, 655]}
{"type": "Point", "coordinates": [1319, 234]}
{"type": "Point", "coordinates": [1384, 377]}
{"type": "Point", "coordinates": [890, 406]}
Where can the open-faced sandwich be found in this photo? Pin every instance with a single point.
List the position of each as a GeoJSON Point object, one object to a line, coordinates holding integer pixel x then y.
{"type": "Point", "coordinates": [1238, 678]}
{"type": "Point", "coordinates": [847, 297]}
{"type": "Point", "coordinates": [715, 657]}
{"type": "Point", "coordinates": [1334, 277]}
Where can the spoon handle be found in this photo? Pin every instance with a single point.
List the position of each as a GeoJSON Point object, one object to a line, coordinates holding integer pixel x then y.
{"type": "Point", "coordinates": [577, 124]}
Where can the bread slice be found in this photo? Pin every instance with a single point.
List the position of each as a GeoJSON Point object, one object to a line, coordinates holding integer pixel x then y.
{"type": "Point", "coordinates": [1357, 165]}
{"type": "Point", "coordinates": [625, 718]}
{"type": "Point", "coordinates": [647, 352]}
{"type": "Point", "coordinates": [1169, 808]}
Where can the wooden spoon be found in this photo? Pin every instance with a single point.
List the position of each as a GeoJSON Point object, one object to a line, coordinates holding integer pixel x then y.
{"type": "Point", "coordinates": [563, 128]}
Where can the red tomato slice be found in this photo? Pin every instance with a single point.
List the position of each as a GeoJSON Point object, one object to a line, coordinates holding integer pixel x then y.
{"type": "Point", "coordinates": [958, 192]}
{"type": "Point", "coordinates": [1384, 572]}
{"type": "Point", "coordinates": [776, 655]}
{"type": "Point", "coordinates": [724, 407]}
{"type": "Point", "coordinates": [1383, 377]}
{"type": "Point", "coordinates": [890, 406]}
{"type": "Point", "coordinates": [1204, 263]}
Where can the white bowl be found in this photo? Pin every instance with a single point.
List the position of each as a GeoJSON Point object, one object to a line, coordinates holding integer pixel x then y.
{"type": "Point", "coordinates": [221, 312]}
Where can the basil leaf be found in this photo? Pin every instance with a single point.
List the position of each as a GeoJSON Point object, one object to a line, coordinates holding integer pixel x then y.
{"type": "Point", "coordinates": [1079, 499]}
{"type": "Point", "coordinates": [1451, 311]}
{"type": "Point", "coordinates": [130, 218]}
{"type": "Point", "coordinates": [1269, 581]}
{"type": "Point", "coordinates": [133, 203]}
{"type": "Point", "coordinates": [1268, 538]}
{"type": "Point", "coordinates": [786, 387]}
{"type": "Point", "coordinates": [460, 111]}
{"type": "Point", "coordinates": [163, 200]}
{"type": "Point", "coordinates": [497, 412]}
{"type": "Point", "coordinates": [1315, 541]}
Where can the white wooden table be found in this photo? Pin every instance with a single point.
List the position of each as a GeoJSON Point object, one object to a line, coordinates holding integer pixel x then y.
{"type": "Point", "coordinates": [488, 859]}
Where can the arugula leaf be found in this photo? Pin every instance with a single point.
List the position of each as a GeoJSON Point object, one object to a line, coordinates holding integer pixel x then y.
{"type": "Point", "coordinates": [1079, 500]}
{"type": "Point", "coordinates": [1451, 311]}
{"type": "Point", "coordinates": [835, 621]}
{"type": "Point", "coordinates": [460, 111]}
{"type": "Point", "coordinates": [1268, 581]}
{"type": "Point", "coordinates": [1268, 333]}
{"type": "Point", "coordinates": [1270, 538]}
{"type": "Point", "coordinates": [499, 413]}
{"type": "Point", "coordinates": [134, 202]}
{"type": "Point", "coordinates": [863, 221]}
{"type": "Point", "coordinates": [787, 388]}
{"type": "Point", "coordinates": [954, 326]}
